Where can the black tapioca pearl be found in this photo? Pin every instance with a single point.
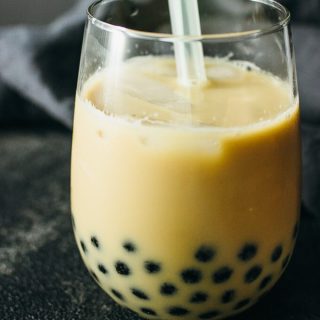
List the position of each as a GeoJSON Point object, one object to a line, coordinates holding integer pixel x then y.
{"type": "Point", "coordinates": [249, 68]}
{"type": "Point", "coordinates": [198, 297]}
{"type": "Point", "coordinates": [117, 294]}
{"type": "Point", "coordinates": [222, 275]}
{"type": "Point", "coordinates": [148, 311]}
{"type": "Point", "coordinates": [241, 304]}
{"type": "Point", "coordinates": [228, 296]}
{"type": "Point", "coordinates": [178, 311]}
{"type": "Point", "coordinates": [191, 275]}
{"type": "Point", "coordinates": [94, 276]}
{"type": "Point", "coordinates": [152, 266]}
{"type": "Point", "coordinates": [168, 289]}
{"type": "Point", "coordinates": [276, 254]}
{"type": "Point", "coordinates": [83, 246]}
{"type": "Point", "coordinates": [285, 262]}
{"type": "Point", "coordinates": [205, 254]}
{"type": "Point", "coordinates": [210, 314]}
{"type": "Point", "coordinates": [102, 268]}
{"type": "Point", "coordinates": [129, 246]}
{"type": "Point", "coordinates": [122, 268]}
{"type": "Point", "coordinates": [253, 274]}
{"type": "Point", "coordinates": [265, 281]}
{"type": "Point", "coordinates": [139, 294]}
{"type": "Point", "coordinates": [95, 242]}
{"type": "Point", "coordinates": [248, 252]}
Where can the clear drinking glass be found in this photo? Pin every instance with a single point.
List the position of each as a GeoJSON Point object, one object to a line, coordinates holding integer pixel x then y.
{"type": "Point", "coordinates": [185, 198]}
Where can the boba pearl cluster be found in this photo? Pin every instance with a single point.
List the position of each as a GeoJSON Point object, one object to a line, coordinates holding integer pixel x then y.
{"type": "Point", "coordinates": [199, 304]}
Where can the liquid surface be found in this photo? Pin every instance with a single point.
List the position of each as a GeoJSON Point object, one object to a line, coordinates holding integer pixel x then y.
{"type": "Point", "coordinates": [185, 200]}
{"type": "Point", "coordinates": [236, 94]}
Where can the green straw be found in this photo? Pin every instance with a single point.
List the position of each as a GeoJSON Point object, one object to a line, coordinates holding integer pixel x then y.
{"type": "Point", "coordinates": [189, 58]}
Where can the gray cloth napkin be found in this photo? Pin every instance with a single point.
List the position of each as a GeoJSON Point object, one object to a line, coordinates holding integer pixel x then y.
{"type": "Point", "coordinates": [40, 65]}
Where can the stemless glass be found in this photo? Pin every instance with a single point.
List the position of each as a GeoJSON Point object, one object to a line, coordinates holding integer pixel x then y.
{"type": "Point", "coordinates": [185, 198]}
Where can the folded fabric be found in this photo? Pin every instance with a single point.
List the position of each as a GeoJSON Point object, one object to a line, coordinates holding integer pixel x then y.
{"type": "Point", "coordinates": [41, 63]}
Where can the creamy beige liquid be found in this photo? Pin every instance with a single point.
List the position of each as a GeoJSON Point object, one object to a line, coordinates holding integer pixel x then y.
{"type": "Point", "coordinates": [185, 200]}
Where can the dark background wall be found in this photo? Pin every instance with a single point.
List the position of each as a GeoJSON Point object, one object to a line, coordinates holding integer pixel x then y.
{"type": "Point", "coordinates": [31, 11]}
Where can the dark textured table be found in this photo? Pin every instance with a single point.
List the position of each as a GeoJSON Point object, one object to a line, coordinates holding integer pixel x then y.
{"type": "Point", "coordinates": [41, 274]}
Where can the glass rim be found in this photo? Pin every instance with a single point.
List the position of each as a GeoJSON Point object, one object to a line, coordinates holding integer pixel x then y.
{"type": "Point", "coordinates": [168, 37]}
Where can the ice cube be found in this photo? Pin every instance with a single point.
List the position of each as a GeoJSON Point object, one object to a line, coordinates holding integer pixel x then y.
{"type": "Point", "coordinates": [149, 65]}
{"type": "Point", "coordinates": [154, 91]}
{"type": "Point", "coordinates": [223, 73]}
